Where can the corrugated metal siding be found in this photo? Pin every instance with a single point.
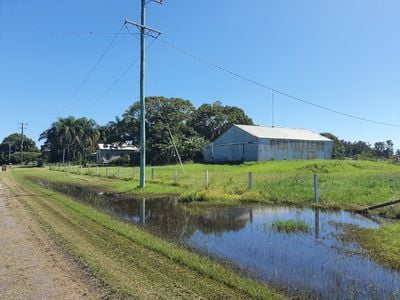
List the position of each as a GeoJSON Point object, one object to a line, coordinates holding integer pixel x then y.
{"type": "Point", "coordinates": [234, 145]}
{"type": "Point", "coordinates": [269, 149]}
{"type": "Point", "coordinates": [238, 145]}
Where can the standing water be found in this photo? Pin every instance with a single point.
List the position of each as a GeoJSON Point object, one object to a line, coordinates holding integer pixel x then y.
{"type": "Point", "coordinates": [317, 263]}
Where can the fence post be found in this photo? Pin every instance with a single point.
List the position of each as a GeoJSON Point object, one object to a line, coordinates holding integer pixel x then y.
{"type": "Point", "coordinates": [250, 180]}
{"type": "Point", "coordinates": [316, 200]}
{"type": "Point", "coordinates": [175, 176]}
{"type": "Point", "coordinates": [152, 174]}
{"type": "Point", "coordinates": [106, 171]}
{"type": "Point", "coordinates": [206, 179]}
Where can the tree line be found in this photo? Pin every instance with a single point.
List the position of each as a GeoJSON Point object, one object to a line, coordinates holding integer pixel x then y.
{"type": "Point", "coordinates": [173, 127]}
{"type": "Point", "coordinates": [10, 150]}
{"type": "Point", "coordinates": [362, 150]}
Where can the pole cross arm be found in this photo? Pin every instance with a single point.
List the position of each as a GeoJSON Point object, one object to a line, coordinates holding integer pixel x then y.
{"type": "Point", "coordinates": [156, 1]}
{"type": "Point", "coordinates": [149, 31]}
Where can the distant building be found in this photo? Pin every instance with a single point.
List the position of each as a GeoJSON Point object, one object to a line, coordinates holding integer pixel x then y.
{"type": "Point", "coordinates": [106, 153]}
{"type": "Point", "coordinates": [257, 143]}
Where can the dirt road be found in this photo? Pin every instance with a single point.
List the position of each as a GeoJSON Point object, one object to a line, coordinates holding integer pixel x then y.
{"type": "Point", "coordinates": [32, 266]}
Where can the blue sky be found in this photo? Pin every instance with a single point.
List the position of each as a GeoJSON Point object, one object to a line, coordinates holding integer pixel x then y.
{"type": "Point", "coordinates": [339, 54]}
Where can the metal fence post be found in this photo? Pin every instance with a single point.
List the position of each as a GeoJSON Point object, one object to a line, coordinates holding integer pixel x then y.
{"type": "Point", "coordinates": [250, 180]}
{"type": "Point", "coordinates": [316, 200]}
{"type": "Point", "coordinates": [152, 174]}
{"type": "Point", "coordinates": [206, 179]}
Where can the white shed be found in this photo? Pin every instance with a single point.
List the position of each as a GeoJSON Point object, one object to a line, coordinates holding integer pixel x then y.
{"type": "Point", "coordinates": [258, 143]}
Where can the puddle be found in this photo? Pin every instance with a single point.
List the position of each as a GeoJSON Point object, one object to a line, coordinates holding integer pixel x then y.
{"type": "Point", "coordinates": [317, 263]}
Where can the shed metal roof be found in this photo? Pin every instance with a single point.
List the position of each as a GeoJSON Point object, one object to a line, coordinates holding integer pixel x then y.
{"type": "Point", "coordinates": [282, 133]}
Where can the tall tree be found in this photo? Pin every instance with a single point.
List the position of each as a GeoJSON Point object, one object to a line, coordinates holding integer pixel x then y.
{"type": "Point", "coordinates": [70, 138]}
{"type": "Point", "coordinates": [13, 143]}
{"type": "Point", "coordinates": [379, 148]}
{"type": "Point", "coordinates": [166, 120]}
{"type": "Point", "coordinates": [211, 120]}
{"type": "Point", "coordinates": [338, 146]}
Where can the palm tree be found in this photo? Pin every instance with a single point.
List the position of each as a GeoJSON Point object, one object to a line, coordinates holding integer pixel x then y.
{"type": "Point", "coordinates": [65, 132]}
{"type": "Point", "coordinates": [68, 135]}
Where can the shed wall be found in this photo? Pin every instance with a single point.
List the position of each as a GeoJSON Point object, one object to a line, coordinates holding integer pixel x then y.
{"type": "Point", "coordinates": [234, 145]}
{"type": "Point", "coordinates": [238, 145]}
{"type": "Point", "coordinates": [269, 149]}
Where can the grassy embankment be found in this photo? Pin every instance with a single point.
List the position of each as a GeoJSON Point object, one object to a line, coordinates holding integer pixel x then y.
{"type": "Point", "coordinates": [343, 184]}
{"type": "Point", "coordinates": [132, 262]}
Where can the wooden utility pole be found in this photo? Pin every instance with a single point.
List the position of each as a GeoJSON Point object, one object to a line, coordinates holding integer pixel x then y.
{"type": "Point", "coordinates": [22, 127]}
{"type": "Point", "coordinates": [9, 153]}
{"type": "Point", "coordinates": [154, 33]}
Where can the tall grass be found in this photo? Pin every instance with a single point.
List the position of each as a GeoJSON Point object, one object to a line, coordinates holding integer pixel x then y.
{"type": "Point", "coordinates": [290, 226]}
{"type": "Point", "coordinates": [349, 184]}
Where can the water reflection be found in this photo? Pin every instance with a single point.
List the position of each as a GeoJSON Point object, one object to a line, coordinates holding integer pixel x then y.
{"type": "Point", "coordinates": [142, 208]}
{"type": "Point", "coordinates": [318, 264]}
{"type": "Point", "coordinates": [316, 222]}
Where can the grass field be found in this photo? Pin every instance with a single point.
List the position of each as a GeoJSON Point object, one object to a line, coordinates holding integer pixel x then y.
{"type": "Point", "coordinates": [342, 184]}
{"type": "Point", "coordinates": [132, 262]}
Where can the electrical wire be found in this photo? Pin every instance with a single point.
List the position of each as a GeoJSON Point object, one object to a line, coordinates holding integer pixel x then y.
{"type": "Point", "coordinates": [91, 70]}
{"type": "Point", "coordinates": [283, 93]}
{"type": "Point", "coordinates": [61, 32]}
{"type": "Point", "coordinates": [165, 118]}
{"type": "Point", "coordinates": [122, 75]}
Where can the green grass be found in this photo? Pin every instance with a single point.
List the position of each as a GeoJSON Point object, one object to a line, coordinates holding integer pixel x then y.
{"type": "Point", "coordinates": [133, 262]}
{"type": "Point", "coordinates": [383, 244]}
{"type": "Point", "coordinates": [342, 184]}
{"type": "Point", "coordinates": [291, 226]}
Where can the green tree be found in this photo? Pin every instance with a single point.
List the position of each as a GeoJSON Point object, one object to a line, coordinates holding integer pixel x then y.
{"type": "Point", "coordinates": [211, 120]}
{"type": "Point", "coordinates": [338, 146]}
{"type": "Point", "coordinates": [389, 149]}
{"type": "Point", "coordinates": [70, 139]}
{"type": "Point", "coordinates": [380, 148]}
{"type": "Point", "coordinates": [13, 141]}
{"type": "Point", "coordinates": [165, 117]}
{"type": "Point", "coordinates": [114, 132]}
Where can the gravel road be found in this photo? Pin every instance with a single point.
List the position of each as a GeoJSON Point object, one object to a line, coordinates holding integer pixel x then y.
{"type": "Point", "coordinates": [32, 265]}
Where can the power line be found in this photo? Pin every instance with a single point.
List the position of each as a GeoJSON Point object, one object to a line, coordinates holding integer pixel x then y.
{"type": "Point", "coordinates": [115, 82]}
{"type": "Point", "coordinates": [91, 70]}
{"type": "Point", "coordinates": [257, 83]}
{"type": "Point", "coordinates": [60, 32]}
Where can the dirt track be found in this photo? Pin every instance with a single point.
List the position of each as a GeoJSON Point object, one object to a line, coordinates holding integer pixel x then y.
{"type": "Point", "coordinates": [32, 266]}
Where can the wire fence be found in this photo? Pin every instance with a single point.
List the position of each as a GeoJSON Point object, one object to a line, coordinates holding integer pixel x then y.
{"type": "Point", "coordinates": [362, 187]}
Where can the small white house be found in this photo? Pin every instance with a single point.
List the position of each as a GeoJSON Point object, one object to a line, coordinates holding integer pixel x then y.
{"type": "Point", "coordinates": [106, 153]}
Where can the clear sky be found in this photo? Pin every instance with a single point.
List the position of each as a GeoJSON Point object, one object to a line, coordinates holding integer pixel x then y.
{"type": "Point", "coordinates": [340, 54]}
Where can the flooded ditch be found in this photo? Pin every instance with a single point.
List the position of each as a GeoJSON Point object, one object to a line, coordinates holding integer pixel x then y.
{"type": "Point", "coordinates": [316, 263]}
